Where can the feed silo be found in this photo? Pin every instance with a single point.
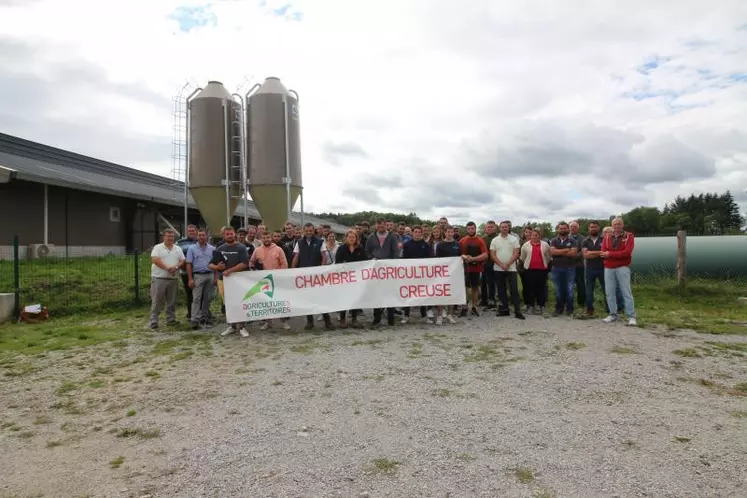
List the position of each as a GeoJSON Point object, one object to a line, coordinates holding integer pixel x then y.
{"type": "Point", "coordinates": [273, 151]}
{"type": "Point", "coordinates": [214, 176]}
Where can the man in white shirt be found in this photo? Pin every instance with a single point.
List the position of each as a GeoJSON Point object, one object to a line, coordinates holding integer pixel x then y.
{"type": "Point", "coordinates": [504, 251]}
{"type": "Point", "coordinates": [167, 258]}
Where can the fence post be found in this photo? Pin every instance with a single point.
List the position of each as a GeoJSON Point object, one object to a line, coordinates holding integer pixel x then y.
{"type": "Point", "coordinates": [16, 279]}
{"type": "Point", "coordinates": [682, 259]}
{"type": "Point", "coordinates": [137, 276]}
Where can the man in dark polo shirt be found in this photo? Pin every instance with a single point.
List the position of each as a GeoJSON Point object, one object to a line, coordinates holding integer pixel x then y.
{"type": "Point", "coordinates": [591, 248]}
{"type": "Point", "coordinates": [382, 244]}
{"type": "Point", "coordinates": [564, 252]}
{"type": "Point", "coordinates": [580, 277]}
{"type": "Point", "coordinates": [230, 257]}
{"type": "Point", "coordinates": [306, 254]}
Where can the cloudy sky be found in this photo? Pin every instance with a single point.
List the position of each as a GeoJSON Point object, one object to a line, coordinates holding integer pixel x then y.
{"type": "Point", "coordinates": [477, 109]}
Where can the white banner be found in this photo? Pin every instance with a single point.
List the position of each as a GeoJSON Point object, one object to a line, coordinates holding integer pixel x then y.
{"type": "Point", "coordinates": [383, 283]}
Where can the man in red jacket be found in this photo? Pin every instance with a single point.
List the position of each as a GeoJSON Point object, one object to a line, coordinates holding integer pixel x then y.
{"type": "Point", "coordinates": [617, 253]}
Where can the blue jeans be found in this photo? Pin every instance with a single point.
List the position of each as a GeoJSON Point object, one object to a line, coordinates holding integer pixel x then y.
{"type": "Point", "coordinates": [617, 280]}
{"type": "Point", "coordinates": [563, 278]}
{"type": "Point", "coordinates": [598, 275]}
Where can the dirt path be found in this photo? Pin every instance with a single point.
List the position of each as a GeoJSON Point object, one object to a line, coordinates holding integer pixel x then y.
{"type": "Point", "coordinates": [488, 407]}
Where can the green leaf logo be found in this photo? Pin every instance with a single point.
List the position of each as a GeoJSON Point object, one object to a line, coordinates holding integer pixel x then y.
{"type": "Point", "coordinates": [265, 286]}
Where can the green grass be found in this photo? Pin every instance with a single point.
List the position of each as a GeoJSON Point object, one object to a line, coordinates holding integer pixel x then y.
{"type": "Point", "coordinates": [74, 285]}
{"type": "Point", "coordinates": [138, 432]}
{"type": "Point", "coordinates": [575, 346]}
{"type": "Point", "coordinates": [67, 333]}
{"type": "Point", "coordinates": [523, 475]}
{"type": "Point", "coordinates": [385, 465]}
{"type": "Point", "coordinates": [709, 306]}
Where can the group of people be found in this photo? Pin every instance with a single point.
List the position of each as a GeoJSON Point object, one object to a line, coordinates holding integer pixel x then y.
{"type": "Point", "coordinates": [495, 261]}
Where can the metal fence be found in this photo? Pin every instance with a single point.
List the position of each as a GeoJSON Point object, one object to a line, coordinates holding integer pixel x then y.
{"type": "Point", "coordinates": [72, 285]}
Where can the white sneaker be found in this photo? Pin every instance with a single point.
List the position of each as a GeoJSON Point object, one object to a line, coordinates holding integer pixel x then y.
{"type": "Point", "coordinates": [632, 322]}
{"type": "Point", "coordinates": [264, 326]}
{"type": "Point", "coordinates": [244, 332]}
{"type": "Point", "coordinates": [439, 321]}
{"type": "Point", "coordinates": [429, 320]}
{"type": "Point", "coordinates": [610, 319]}
{"type": "Point", "coordinates": [286, 325]}
{"type": "Point", "coordinates": [404, 320]}
{"type": "Point", "coordinates": [444, 313]}
{"type": "Point", "coordinates": [228, 331]}
{"type": "Point", "coordinates": [429, 314]}
{"type": "Point", "coordinates": [320, 318]}
{"type": "Point", "coordinates": [450, 319]}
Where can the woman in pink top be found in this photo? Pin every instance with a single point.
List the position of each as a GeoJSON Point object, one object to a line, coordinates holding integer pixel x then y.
{"type": "Point", "coordinates": [269, 256]}
{"type": "Point", "coordinates": [535, 256]}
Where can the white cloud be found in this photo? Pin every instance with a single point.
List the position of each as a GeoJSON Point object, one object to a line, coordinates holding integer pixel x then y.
{"type": "Point", "coordinates": [486, 109]}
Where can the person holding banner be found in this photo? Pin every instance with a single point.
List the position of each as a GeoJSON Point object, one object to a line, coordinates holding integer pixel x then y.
{"type": "Point", "coordinates": [449, 248]}
{"type": "Point", "coordinates": [230, 257]}
{"type": "Point", "coordinates": [350, 252]}
{"type": "Point", "coordinates": [270, 257]}
{"type": "Point", "coordinates": [474, 254]}
{"type": "Point", "coordinates": [382, 245]}
{"type": "Point", "coordinates": [416, 248]}
{"type": "Point", "coordinates": [306, 254]}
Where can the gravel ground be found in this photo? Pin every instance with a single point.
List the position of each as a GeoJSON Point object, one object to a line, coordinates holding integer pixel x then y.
{"type": "Point", "coordinates": [487, 407]}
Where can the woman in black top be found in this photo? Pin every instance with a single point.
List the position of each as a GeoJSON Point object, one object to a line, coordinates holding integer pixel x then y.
{"type": "Point", "coordinates": [350, 252]}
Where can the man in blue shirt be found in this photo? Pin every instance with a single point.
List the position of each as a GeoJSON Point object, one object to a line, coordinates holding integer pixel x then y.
{"type": "Point", "coordinates": [200, 278]}
{"type": "Point", "coordinates": [185, 243]}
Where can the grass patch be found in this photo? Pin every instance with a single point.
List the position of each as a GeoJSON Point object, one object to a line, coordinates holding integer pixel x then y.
{"type": "Point", "coordinates": [153, 374]}
{"type": "Point", "coordinates": [443, 393]}
{"type": "Point", "coordinates": [96, 384]}
{"type": "Point", "coordinates": [733, 349]}
{"type": "Point", "coordinates": [117, 462]}
{"type": "Point", "coordinates": [687, 353]}
{"type": "Point", "coordinates": [416, 350]}
{"type": "Point", "coordinates": [371, 342]}
{"type": "Point", "coordinates": [66, 333]}
{"type": "Point", "coordinates": [66, 387]}
{"type": "Point", "coordinates": [738, 414]}
{"type": "Point", "coordinates": [523, 475]}
{"type": "Point", "coordinates": [54, 444]}
{"type": "Point", "coordinates": [707, 306]}
{"type": "Point", "coordinates": [385, 466]}
{"type": "Point", "coordinates": [43, 420]}
{"type": "Point", "coordinates": [623, 350]}
{"type": "Point", "coordinates": [739, 389]}
{"type": "Point", "coordinates": [183, 355]}
{"type": "Point", "coordinates": [131, 413]}
{"type": "Point", "coordinates": [575, 346]}
{"type": "Point", "coordinates": [682, 439]}
{"type": "Point", "coordinates": [130, 432]}
{"type": "Point", "coordinates": [377, 378]}
{"type": "Point", "coordinates": [481, 353]}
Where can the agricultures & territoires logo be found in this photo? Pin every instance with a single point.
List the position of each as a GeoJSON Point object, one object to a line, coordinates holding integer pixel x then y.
{"type": "Point", "coordinates": [258, 301]}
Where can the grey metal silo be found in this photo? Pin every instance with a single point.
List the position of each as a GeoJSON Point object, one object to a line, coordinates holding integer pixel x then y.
{"type": "Point", "coordinates": [214, 168]}
{"type": "Point", "coordinates": [273, 151]}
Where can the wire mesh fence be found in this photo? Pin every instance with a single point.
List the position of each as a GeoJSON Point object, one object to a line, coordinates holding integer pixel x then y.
{"type": "Point", "coordinates": [72, 285]}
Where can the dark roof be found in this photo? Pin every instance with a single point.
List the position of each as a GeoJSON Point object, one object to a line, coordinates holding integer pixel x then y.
{"type": "Point", "coordinates": [40, 163]}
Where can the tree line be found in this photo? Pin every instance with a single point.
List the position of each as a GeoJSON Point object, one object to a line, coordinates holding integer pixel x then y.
{"type": "Point", "coordinates": [703, 214]}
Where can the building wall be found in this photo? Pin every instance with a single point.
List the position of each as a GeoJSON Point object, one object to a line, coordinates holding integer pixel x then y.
{"type": "Point", "coordinates": [21, 212]}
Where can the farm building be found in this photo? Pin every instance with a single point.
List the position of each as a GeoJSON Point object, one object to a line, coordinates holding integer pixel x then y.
{"type": "Point", "coordinates": [80, 206]}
